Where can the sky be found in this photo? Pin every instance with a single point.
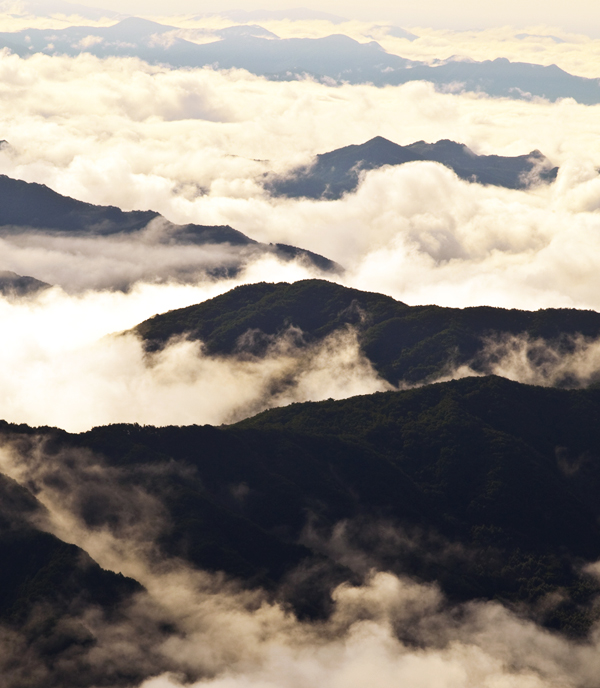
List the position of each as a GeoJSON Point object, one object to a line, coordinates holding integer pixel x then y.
{"type": "Point", "coordinates": [578, 16]}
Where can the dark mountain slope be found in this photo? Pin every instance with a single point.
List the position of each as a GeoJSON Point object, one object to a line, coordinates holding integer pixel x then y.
{"type": "Point", "coordinates": [46, 588]}
{"type": "Point", "coordinates": [338, 172]}
{"type": "Point", "coordinates": [28, 205]}
{"type": "Point", "coordinates": [40, 568]}
{"type": "Point", "coordinates": [411, 343]}
{"type": "Point", "coordinates": [315, 306]}
{"type": "Point", "coordinates": [486, 486]}
{"type": "Point", "coordinates": [34, 208]}
{"type": "Point", "coordinates": [31, 205]}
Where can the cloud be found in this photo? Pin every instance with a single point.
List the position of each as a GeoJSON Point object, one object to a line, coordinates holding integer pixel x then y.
{"type": "Point", "coordinates": [195, 144]}
{"type": "Point", "coordinates": [156, 255]}
{"type": "Point", "coordinates": [60, 369]}
{"type": "Point", "coordinates": [572, 362]}
{"type": "Point", "coordinates": [575, 53]}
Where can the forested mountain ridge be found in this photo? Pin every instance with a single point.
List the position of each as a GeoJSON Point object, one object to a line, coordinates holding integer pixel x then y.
{"type": "Point", "coordinates": [484, 485]}
{"type": "Point", "coordinates": [413, 344]}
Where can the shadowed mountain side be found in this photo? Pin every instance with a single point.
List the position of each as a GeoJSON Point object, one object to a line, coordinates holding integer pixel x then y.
{"type": "Point", "coordinates": [34, 208]}
{"type": "Point", "coordinates": [12, 284]}
{"type": "Point", "coordinates": [333, 59]}
{"type": "Point", "coordinates": [338, 172]}
{"type": "Point", "coordinates": [486, 486]}
{"type": "Point", "coordinates": [43, 574]}
{"type": "Point", "coordinates": [29, 206]}
{"type": "Point", "coordinates": [409, 343]}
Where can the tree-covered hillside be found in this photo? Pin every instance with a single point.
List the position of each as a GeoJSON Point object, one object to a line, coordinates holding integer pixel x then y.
{"type": "Point", "coordinates": [486, 486]}
{"type": "Point", "coordinates": [408, 343]}
{"type": "Point", "coordinates": [47, 587]}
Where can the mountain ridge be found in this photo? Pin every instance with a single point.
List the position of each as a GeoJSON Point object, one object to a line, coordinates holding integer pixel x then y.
{"type": "Point", "coordinates": [482, 484]}
{"type": "Point", "coordinates": [324, 59]}
{"type": "Point", "coordinates": [413, 344]}
{"type": "Point", "coordinates": [337, 172]}
{"type": "Point", "coordinates": [29, 207]}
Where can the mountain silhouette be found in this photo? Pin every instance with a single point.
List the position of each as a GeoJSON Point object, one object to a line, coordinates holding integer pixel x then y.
{"type": "Point", "coordinates": [338, 172]}
{"type": "Point", "coordinates": [486, 486]}
{"type": "Point", "coordinates": [336, 58]}
{"type": "Point", "coordinates": [35, 208]}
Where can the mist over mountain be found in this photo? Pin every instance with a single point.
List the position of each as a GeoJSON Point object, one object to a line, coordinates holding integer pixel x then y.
{"type": "Point", "coordinates": [405, 344]}
{"type": "Point", "coordinates": [333, 59]}
{"type": "Point", "coordinates": [47, 587]}
{"type": "Point", "coordinates": [484, 486]}
{"type": "Point", "coordinates": [12, 284]}
{"type": "Point", "coordinates": [338, 172]}
{"type": "Point", "coordinates": [34, 209]}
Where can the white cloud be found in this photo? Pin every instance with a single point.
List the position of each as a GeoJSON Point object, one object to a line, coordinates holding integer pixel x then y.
{"type": "Point", "coordinates": [58, 368]}
{"type": "Point", "coordinates": [194, 144]}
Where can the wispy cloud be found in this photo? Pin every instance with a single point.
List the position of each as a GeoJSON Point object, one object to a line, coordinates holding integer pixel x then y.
{"type": "Point", "coordinates": [389, 629]}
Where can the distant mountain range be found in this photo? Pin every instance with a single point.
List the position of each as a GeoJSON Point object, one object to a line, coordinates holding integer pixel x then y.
{"type": "Point", "coordinates": [34, 208]}
{"type": "Point", "coordinates": [338, 172]}
{"type": "Point", "coordinates": [333, 59]}
{"type": "Point", "coordinates": [413, 344]}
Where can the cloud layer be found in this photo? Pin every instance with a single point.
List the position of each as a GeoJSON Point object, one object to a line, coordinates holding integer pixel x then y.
{"type": "Point", "coordinates": [194, 144]}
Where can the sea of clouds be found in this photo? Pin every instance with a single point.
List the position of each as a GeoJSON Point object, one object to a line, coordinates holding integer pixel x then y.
{"type": "Point", "coordinates": [194, 145]}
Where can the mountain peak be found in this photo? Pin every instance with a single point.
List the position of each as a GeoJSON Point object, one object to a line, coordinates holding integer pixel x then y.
{"type": "Point", "coordinates": [338, 172]}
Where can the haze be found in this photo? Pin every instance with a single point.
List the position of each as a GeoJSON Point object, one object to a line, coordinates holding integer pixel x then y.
{"type": "Point", "coordinates": [578, 16]}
